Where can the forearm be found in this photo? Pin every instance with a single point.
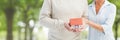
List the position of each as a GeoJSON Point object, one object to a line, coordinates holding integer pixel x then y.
{"type": "Point", "coordinates": [51, 23]}
{"type": "Point", "coordinates": [95, 25]}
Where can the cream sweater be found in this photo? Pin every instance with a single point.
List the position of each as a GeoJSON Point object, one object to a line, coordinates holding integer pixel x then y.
{"type": "Point", "coordinates": [54, 13]}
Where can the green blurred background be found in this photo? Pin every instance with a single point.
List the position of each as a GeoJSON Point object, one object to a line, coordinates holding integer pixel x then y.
{"type": "Point", "coordinates": [19, 20]}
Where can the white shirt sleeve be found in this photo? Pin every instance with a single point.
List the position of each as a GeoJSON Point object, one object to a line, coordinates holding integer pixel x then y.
{"type": "Point", "coordinates": [107, 26]}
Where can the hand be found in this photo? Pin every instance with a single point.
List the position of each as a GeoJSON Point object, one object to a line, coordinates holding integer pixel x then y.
{"type": "Point", "coordinates": [82, 27]}
{"type": "Point", "coordinates": [71, 28]}
{"type": "Point", "coordinates": [85, 21]}
{"type": "Point", "coordinates": [78, 28]}
{"type": "Point", "coordinates": [68, 27]}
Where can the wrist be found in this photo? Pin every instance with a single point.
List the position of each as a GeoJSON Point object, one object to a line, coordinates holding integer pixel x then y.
{"type": "Point", "coordinates": [87, 21]}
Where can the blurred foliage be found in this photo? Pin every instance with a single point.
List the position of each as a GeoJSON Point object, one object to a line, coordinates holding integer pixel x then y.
{"type": "Point", "coordinates": [20, 6]}
{"type": "Point", "coordinates": [31, 8]}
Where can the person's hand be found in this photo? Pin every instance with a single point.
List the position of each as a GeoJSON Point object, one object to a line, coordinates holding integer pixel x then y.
{"type": "Point", "coordinates": [81, 27]}
{"type": "Point", "coordinates": [85, 21]}
{"type": "Point", "coordinates": [73, 28]}
{"type": "Point", "coordinates": [78, 28]}
{"type": "Point", "coordinates": [68, 27]}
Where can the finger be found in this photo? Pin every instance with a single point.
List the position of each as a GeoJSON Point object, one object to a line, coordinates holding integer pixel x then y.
{"type": "Point", "coordinates": [77, 28]}
{"type": "Point", "coordinates": [67, 27]}
{"type": "Point", "coordinates": [73, 31]}
{"type": "Point", "coordinates": [81, 29]}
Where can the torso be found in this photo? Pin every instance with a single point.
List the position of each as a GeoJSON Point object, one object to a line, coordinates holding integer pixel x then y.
{"type": "Point", "coordinates": [64, 10]}
{"type": "Point", "coordinates": [100, 18]}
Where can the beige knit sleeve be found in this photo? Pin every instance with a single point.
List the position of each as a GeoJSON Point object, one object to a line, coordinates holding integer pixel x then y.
{"type": "Point", "coordinates": [45, 17]}
{"type": "Point", "coordinates": [85, 10]}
